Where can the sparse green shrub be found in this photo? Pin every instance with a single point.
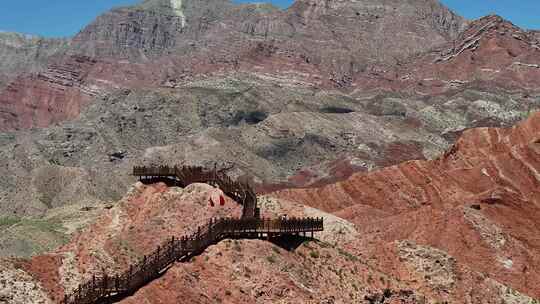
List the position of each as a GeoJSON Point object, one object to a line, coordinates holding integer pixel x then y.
{"type": "Point", "coordinates": [348, 255]}
{"type": "Point", "coordinates": [314, 254]}
{"type": "Point", "coordinates": [324, 244]}
{"type": "Point", "coordinates": [271, 259]}
{"type": "Point", "coordinates": [237, 246]}
{"type": "Point", "coordinates": [370, 279]}
{"type": "Point", "coordinates": [8, 221]}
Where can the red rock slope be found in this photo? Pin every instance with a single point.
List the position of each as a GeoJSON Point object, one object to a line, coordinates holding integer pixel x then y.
{"type": "Point", "coordinates": [479, 203]}
{"type": "Point", "coordinates": [239, 271]}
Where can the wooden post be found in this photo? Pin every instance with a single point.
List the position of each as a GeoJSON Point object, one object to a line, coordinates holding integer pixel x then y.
{"type": "Point", "coordinates": [117, 283]}
{"type": "Point", "coordinates": [171, 248]}
{"type": "Point", "coordinates": [105, 283]}
{"type": "Point", "coordinates": [156, 260]}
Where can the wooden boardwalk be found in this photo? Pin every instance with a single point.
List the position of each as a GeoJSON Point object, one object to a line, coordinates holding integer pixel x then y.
{"type": "Point", "coordinates": [182, 176]}
{"type": "Point", "coordinates": [102, 288]}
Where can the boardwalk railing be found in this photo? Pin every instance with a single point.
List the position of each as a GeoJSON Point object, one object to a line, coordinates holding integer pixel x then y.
{"type": "Point", "coordinates": [182, 176]}
{"type": "Point", "coordinates": [250, 225]}
{"type": "Point", "coordinates": [100, 288]}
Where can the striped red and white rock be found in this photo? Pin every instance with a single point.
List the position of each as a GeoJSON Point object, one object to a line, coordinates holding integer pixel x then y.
{"type": "Point", "coordinates": [479, 204]}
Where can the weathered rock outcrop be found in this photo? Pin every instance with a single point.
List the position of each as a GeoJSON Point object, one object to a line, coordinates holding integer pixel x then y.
{"type": "Point", "coordinates": [479, 203]}
{"type": "Point", "coordinates": [231, 271]}
{"type": "Point", "coordinates": [55, 94]}
{"type": "Point", "coordinates": [174, 41]}
{"type": "Point", "coordinates": [24, 54]}
{"type": "Point", "coordinates": [491, 52]}
{"type": "Point", "coordinates": [129, 33]}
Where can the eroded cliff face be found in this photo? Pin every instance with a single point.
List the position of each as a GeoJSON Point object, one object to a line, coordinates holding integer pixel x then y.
{"type": "Point", "coordinates": [171, 44]}
{"type": "Point", "coordinates": [490, 52]}
{"type": "Point", "coordinates": [478, 203]}
{"type": "Point", "coordinates": [178, 40]}
{"type": "Point", "coordinates": [54, 94]}
{"type": "Point", "coordinates": [25, 54]}
{"type": "Point", "coordinates": [372, 31]}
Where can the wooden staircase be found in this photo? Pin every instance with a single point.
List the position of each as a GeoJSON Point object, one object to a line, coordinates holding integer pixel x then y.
{"type": "Point", "coordinates": [105, 288]}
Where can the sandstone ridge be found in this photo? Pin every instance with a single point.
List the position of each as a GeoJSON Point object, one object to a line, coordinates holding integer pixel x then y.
{"type": "Point", "coordinates": [478, 203]}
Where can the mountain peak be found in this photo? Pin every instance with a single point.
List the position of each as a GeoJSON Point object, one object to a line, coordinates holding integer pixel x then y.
{"type": "Point", "coordinates": [174, 6]}
{"type": "Point", "coordinates": [431, 12]}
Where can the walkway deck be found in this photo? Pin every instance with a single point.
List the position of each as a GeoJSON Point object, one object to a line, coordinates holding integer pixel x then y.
{"type": "Point", "coordinates": [103, 288]}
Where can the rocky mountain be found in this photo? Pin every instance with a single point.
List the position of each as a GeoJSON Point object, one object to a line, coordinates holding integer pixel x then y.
{"type": "Point", "coordinates": [392, 118]}
{"type": "Point", "coordinates": [160, 42]}
{"type": "Point", "coordinates": [458, 229]}
{"type": "Point", "coordinates": [157, 27]}
{"type": "Point", "coordinates": [269, 112]}
{"type": "Point", "coordinates": [490, 52]}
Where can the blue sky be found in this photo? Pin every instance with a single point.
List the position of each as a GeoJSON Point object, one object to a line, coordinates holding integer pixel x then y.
{"type": "Point", "coordinates": [60, 18]}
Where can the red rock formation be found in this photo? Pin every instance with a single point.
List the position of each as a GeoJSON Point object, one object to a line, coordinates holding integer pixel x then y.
{"type": "Point", "coordinates": [69, 84]}
{"type": "Point", "coordinates": [490, 52]}
{"type": "Point", "coordinates": [51, 96]}
{"type": "Point", "coordinates": [479, 202]}
{"type": "Point", "coordinates": [144, 219]}
{"type": "Point", "coordinates": [230, 272]}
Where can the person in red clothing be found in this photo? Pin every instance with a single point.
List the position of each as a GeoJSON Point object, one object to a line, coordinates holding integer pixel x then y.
{"type": "Point", "coordinates": [221, 200]}
{"type": "Point", "coordinates": [215, 196]}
